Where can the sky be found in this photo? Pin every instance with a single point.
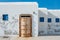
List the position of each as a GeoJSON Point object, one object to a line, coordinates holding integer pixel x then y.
{"type": "Point", "coordinates": [50, 4]}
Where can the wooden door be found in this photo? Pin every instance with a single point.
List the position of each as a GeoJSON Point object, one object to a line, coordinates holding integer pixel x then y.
{"type": "Point", "coordinates": [25, 25]}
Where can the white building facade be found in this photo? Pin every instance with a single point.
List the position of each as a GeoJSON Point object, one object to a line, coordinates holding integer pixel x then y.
{"type": "Point", "coordinates": [43, 14]}
{"type": "Point", "coordinates": [9, 17]}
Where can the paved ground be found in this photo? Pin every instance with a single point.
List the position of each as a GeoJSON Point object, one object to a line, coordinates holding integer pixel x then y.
{"type": "Point", "coordinates": [33, 38]}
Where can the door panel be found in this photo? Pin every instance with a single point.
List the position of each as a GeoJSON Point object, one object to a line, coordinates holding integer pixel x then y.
{"type": "Point", "coordinates": [25, 25]}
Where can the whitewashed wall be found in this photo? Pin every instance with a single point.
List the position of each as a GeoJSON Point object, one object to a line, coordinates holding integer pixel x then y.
{"type": "Point", "coordinates": [14, 9]}
{"type": "Point", "coordinates": [42, 12]}
{"type": "Point", "coordinates": [54, 26]}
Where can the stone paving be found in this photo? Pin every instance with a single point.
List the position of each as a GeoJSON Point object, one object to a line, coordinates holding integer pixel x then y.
{"type": "Point", "coordinates": [33, 38]}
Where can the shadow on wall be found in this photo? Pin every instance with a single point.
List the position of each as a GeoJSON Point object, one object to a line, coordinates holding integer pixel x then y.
{"type": "Point", "coordinates": [42, 25]}
{"type": "Point", "coordinates": [52, 28]}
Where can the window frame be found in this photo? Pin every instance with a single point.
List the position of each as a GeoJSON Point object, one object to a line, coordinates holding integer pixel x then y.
{"type": "Point", "coordinates": [57, 20]}
{"type": "Point", "coordinates": [49, 20]}
{"type": "Point", "coordinates": [41, 19]}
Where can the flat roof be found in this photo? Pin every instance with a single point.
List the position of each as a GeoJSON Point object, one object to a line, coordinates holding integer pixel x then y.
{"type": "Point", "coordinates": [54, 12]}
{"type": "Point", "coordinates": [17, 3]}
{"type": "Point", "coordinates": [44, 10]}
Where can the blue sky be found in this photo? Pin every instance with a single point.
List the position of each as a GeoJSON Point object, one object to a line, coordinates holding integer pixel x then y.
{"type": "Point", "coordinates": [50, 4]}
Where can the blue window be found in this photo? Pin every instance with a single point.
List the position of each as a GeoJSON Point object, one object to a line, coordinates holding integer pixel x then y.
{"type": "Point", "coordinates": [57, 19]}
{"type": "Point", "coordinates": [41, 19]}
{"type": "Point", "coordinates": [5, 17]}
{"type": "Point", "coordinates": [49, 20]}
